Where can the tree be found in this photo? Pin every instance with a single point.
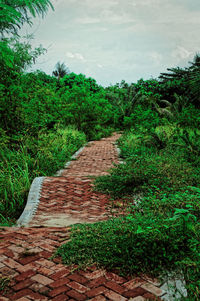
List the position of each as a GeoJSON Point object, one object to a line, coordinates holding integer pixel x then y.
{"type": "Point", "coordinates": [61, 70]}
{"type": "Point", "coordinates": [14, 13]}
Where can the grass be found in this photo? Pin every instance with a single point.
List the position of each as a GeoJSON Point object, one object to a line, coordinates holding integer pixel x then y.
{"type": "Point", "coordinates": [4, 282]}
{"type": "Point", "coordinates": [33, 157]}
{"type": "Point", "coordinates": [162, 232]}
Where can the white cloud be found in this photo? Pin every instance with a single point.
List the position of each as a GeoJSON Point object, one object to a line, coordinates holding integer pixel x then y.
{"type": "Point", "coordinates": [76, 56]}
{"type": "Point", "coordinates": [181, 53]}
{"type": "Point", "coordinates": [156, 57]}
{"type": "Point", "coordinates": [88, 20]}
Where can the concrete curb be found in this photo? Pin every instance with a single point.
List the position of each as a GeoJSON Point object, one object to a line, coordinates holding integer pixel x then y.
{"type": "Point", "coordinates": [74, 156]}
{"type": "Point", "coordinates": [32, 202]}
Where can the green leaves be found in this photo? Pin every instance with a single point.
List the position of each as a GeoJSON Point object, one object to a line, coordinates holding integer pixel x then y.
{"type": "Point", "coordinates": [13, 13]}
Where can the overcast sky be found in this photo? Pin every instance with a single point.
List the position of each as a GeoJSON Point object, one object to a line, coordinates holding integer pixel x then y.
{"type": "Point", "coordinates": [111, 40]}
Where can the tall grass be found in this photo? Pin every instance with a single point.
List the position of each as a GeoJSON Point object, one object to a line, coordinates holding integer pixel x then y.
{"type": "Point", "coordinates": [33, 157]}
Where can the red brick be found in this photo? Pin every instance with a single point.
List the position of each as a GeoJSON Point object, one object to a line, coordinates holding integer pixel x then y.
{"type": "Point", "coordinates": [58, 291]}
{"type": "Point", "coordinates": [98, 298]}
{"type": "Point", "coordinates": [12, 263]}
{"type": "Point", "coordinates": [97, 282]}
{"type": "Point", "coordinates": [27, 267]}
{"type": "Point", "coordinates": [42, 279]}
{"type": "Point", "coordinates": [45, 254]}
{"type": "Point", "coordinates": [78, 287]}
{"type": "Point", "coordinates": [20, 294]}
{"type": "Point", "coordinates": [138, 291]}
{"type": "Point", "coordinates": [96, 291]}
{"type": "Point", "coordinates": [45, 271]}
{"type": "Point", "coordinates": [78, 278]}
{"type": "Point", "coordinates": [76, 295]}
{"type": "Point", "coordinates": [45, 263]}
{"type": "Point", "coordinates": [133, 283]}
{"type": "Point", "coordinates": [60, 298]}
{"type": "Point", "coordinates": [114, 296]}
{"type": "Point", "coordinates": [39, 288]}
{"type": "Point", "coordinates": [153, 289]}
{"type": "Point", "coordinates": [115, 287]}
{"type": "Point", "coordinates": [62, 273]}
{"type": "Point", "coordinates": [115, 278]}
{"type": "Point", "coordinates": [36, 296]}
{"type": "Point", "coordinates": [25, 275]}
{"type": "Point", "coordinates": [23, 284]}
{"type": "Point", "coordinates": [28, 259]}
{"type": "Point", "coordinates": [59, 282]}
{"type": "Point", "coordinates": [94, 275]}
{"type": "Point", "coordinates": [150, 296]}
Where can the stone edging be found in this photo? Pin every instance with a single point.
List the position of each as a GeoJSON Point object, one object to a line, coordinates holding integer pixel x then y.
{"type": "Point", "coordinates": [32, 202]}
{"type": "Point", "coordinates": [75, 155]}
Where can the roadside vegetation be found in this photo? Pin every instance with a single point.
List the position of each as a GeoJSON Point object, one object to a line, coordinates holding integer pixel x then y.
{"type": "Point", "coordinates": [159, 183]}
{"type": "Point", "coordinates": [45, 119]}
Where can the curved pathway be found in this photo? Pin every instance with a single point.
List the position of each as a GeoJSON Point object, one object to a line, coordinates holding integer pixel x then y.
{"type": "Point", "coordinates": [26, 270]}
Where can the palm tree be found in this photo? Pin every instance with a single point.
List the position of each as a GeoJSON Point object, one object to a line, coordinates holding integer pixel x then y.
{"type": "Point", "coordinates": [61, 70]}
{"type": "Point", "coordinates": [14, 13]}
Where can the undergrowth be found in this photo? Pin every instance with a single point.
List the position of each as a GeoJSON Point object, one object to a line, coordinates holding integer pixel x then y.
{"type": "Point", "coordinates": [32, 157]}
{"type": "Point", "coordinates": [161, 231]}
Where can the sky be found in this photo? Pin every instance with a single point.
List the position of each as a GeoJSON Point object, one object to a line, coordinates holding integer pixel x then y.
{"type": "Point", "coordinates": [114, 40]}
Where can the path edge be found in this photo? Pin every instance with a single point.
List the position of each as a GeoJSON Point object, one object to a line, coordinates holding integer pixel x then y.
{"type": "Point", "coordinates": [32, 202]}
{"type": "Point", "coordinates": [34, 195]}
{"type": "Point", "coordinates": [74, 156]}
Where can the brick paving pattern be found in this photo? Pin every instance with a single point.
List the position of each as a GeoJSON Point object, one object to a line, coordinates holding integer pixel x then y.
{"type": "Point", "coordinates": [26, 266]}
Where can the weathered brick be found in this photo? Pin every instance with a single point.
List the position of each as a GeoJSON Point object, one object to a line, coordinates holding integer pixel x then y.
{"type": "Point", "coordinates": [25, 275]}
{"type": "Point", "coordinates": [134, 283]}
{"type": "Point", "coordinates": [114, 296]}
{"type": "Point", "coordinates": [94, 275]}
{"type": "Point", "coordinates": [98, 298]}
{"type": "Point", "coordinates": [96, 291]}
{"type": "Point", "coordinates": [115, 278]}
{"type": "Point", "coordinates": [149, 296]}
{"type": "Point", "coordinates": [139, 298]}
{"type": "Point", "coordinates": [42, 279]}
{"type": "Point", "coordinates": [60, 298]}
{"type": "Point", "coordinates": [45, 271]}
{"type": "Point", "coordinates": [115, 287]}
{"type": "Point", "coordinates": [12, 263]}
{"type": "Point", "coordinates": [20, 294]}
{"type": "Point", "coordinates": [78, 287]}
{"type": "Point", "coordinates": [60, 274]}
{"type": "Point", "coordinates": [153, 289]}
{"type": "Point", "coordinates": [77, 296]}
{"type": "Point", "coordinates": [138, 291]}
{"type": "Point", "coordinates": [23, 284]}
{"type": "Point", "coordinates": [96, 282]}
{"type": "Point", "coordinates": [59, 282]}
{"type": "Point", "coordinates": [78, 278]}
{"type": "Point", "coordinates": [59, 290]}
{"type": "Point", "coordinates": [28, 259]}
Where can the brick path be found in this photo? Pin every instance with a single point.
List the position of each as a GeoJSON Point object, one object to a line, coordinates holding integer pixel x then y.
{"type": "Point", "coordinates": [25, 264]}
